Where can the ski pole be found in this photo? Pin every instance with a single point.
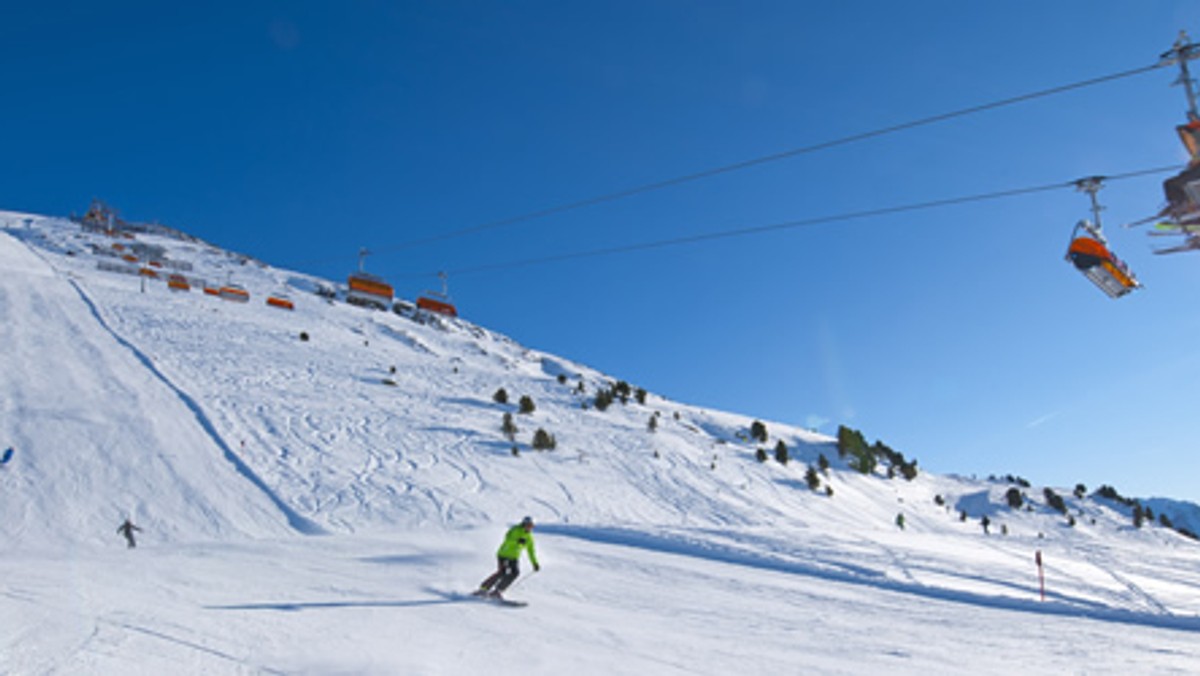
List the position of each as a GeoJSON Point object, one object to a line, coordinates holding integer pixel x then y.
{"type": "Point", "coordinates": [522, 579]}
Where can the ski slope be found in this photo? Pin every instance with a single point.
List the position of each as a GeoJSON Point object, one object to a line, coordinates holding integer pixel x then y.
{"type": "Point", "coordinates": [322, 505]}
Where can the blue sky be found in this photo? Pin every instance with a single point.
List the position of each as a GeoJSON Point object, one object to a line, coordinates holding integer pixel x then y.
{"type": "Point", "coordinates": [299, 132]}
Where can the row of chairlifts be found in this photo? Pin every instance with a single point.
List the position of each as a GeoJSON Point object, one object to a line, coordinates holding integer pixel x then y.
{"type": "Point", "coordinates": [1089, 251]}
{"type": "Point", "coordinates": [367, 290]}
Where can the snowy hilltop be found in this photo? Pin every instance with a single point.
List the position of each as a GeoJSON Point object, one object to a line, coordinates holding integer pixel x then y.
{"type": "Point", "coordinates": [319, 484]}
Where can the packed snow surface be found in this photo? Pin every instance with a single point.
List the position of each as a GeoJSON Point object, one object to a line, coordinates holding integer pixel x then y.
{"type": "Point", "coordinates": [320, 489]}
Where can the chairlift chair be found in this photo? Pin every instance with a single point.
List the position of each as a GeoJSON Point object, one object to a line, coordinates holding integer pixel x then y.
{"type": "Point", "coordinates": [440, 303]}
{"type": "Point", "coordinates": [1089, 252]}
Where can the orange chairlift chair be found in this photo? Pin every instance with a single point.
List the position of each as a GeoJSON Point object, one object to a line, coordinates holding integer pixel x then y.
{"type": "Point", "coordinates": [1089, 251]}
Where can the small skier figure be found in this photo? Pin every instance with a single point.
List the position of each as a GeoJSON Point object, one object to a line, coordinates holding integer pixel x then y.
{"type": "Point", "coordinates": [127, 529]}
{"type": "Point", "coordinates": [517, 538]}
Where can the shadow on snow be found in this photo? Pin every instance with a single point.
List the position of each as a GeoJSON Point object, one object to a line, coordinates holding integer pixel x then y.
{"type": "Point", "coordinates": [839, 571]}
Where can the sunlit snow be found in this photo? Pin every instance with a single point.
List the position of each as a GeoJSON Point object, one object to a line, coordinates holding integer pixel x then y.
{"type": "Point", "coordinates": [325, 504]}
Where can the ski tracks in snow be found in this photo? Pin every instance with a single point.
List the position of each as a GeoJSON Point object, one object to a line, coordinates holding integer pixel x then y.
{"type": "Point", "coordinates": [294, 519]}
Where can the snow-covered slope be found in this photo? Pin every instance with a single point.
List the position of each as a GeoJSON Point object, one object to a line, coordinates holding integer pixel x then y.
{"type": "Point", "coordinates": [237, 433]}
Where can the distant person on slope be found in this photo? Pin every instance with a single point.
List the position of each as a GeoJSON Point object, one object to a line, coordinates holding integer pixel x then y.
{"type": "Point", "coordinates": [127, 529]}
{"type": "Point", "coordinates": [517, 538]}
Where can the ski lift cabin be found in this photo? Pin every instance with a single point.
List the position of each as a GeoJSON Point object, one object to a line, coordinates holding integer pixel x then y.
{"type": "Point", "coordinates": [234, 293]}
{"type": "Point", "coordinates": [178, 282]}
{"type": "Point", "coordinates": [440, 303]}
{"type": "Point", "coordinates": [368, 290]}
{"type": "Point", "coordinates": [281, 301]}
{"type": "Point", "coordinates": [1091, 256]}
{"type": "Point", "coordinates": [1089, 251]}
{"type": "Point", "coordinates": [439, 306]}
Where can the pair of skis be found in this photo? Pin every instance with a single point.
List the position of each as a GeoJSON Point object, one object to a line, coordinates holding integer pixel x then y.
{"type": "Point", "coordinates": [498, 600]}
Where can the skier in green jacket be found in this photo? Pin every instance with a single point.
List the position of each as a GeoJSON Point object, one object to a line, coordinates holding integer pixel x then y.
{"type": "Point", "coordinates": [517, 538]}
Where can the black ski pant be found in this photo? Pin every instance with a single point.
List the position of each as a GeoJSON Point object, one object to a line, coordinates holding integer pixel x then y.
{"type": "Point", "coordinates": [506, 571]}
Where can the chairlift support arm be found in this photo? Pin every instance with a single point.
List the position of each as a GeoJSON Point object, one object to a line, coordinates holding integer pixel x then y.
{"type": "Point", "coordinates": [1092, 185]}
{"type": "Point", "coordinates": [1184, 50]}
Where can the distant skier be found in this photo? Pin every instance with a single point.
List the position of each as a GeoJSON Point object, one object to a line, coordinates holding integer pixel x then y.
{"type": "Point", "coordinates": [127, 529]}
{"type": "Point", "coordinates": [517, 538]}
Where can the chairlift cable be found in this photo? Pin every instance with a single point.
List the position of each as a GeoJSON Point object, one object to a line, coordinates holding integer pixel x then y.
{"type": "Point", "coordinates": [786, 225]}
{"type": "Point", "coordinates": [765, 159]}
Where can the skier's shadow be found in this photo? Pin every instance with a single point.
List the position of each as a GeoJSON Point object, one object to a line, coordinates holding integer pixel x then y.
{"type": "Point", "coordinates": [442, 599]}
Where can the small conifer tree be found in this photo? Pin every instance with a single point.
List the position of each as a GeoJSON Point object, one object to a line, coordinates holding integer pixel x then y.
{"type": "Point", "coordinates": [501, 396]}
{"type": "Point", "coordinates": [604, 399]}
{"type": "Point", "coordinates": [781, 452]}
{"type": "Point", "coordinates": [1054, 500]}
{"type": "Point", "coordinates": [812, 478]}
{"type": "Point", "coordinates": [1013, 496]}
{"type": "Point", "coordinates": [758, 431]}
{"type": "Point", "coordinates": [543, 440]}
{"type": "Point", "coordinates": [508, 427]}
{"type": "Point", "coordinates": [526, 405]}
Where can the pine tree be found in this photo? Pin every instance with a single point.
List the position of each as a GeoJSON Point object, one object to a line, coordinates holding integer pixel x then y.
{"type": "Point", "coordinates": [758, 431]}
{"type": "Point", "coordinates": [509, 427]}
{"type": "Point", "coordinates": [1015, 500]}
{"type": "Point", "coordinates": [604, 399]}
{"type": "Point", "coordinates": [526, 405]}
{"type": "Point", "coordinates": [812, 478]}
{"type": "Point", "coordinates": [781, 452]}
{"type": "Point", "coordinates": [1054, 500]}
{"type": "Point", "coordinates": [543, 440]}
{"type": "Point", "coordinates": [501, 396]}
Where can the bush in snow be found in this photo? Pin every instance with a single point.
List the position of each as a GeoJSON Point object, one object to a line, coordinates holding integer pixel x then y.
{"type": "Point", "coordinates": [1015, 500]}
{"type": "Point", "coordinates": [1080, 491]}
{"type": "Point", "coordinates": [781, 452]}
{"type": "Point", "coordinates": [526, 404]}
{"type": "Point", "coordinates": [1139, 516]}
{"type": "Point", "coordinates": [509, 427]}
{"type": "Point", "coordinates": [622, 390]}
{"type": "Point", "coordinates": [823, 464]}
{"type": "Point", "coordinates": [761, 454]}
{"type": "Point", "coordinates": [501, 396]}
{"type": "Point", "coordinates": [812, 478]}
{"type": "Point", "coordinates": [640, 395]}
{"type": "Point", "coordinates": [604, 399]}
{"type": "Point", "coordinates": [1055, 500]}
{"type": "Point", "coordinates": [758, 431]}
{"type": "Point", "coordinates": [543, 440]}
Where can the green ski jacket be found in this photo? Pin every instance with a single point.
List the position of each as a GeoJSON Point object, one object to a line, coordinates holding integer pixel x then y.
{"type": "Point", "coordinates": [516, 539]}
